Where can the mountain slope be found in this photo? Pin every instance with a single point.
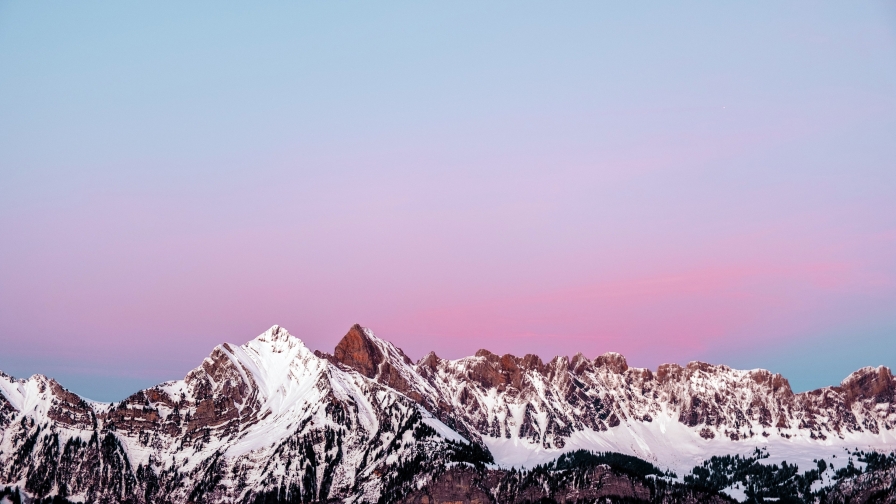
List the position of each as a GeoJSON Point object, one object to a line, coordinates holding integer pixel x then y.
{"type": "Point", "coordinates": [265, 417]}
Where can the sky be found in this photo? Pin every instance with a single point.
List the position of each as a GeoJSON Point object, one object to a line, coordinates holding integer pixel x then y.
{"type": "Point", "coordinates": [703, 181]}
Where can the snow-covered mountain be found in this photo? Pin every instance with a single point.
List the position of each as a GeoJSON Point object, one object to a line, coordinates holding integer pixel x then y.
{"type": "Point", "coordinates": [527, 411]}
{"type": "Point", "coordinates": [272, 421]}
{"type": "Point", "coordinates": [265, 417]}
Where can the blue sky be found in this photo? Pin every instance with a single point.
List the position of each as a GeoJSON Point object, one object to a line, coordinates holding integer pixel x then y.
{"type": "Point", "coordinates": [701, 181]}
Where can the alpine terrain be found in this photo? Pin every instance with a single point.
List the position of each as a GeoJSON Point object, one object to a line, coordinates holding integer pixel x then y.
{"type": "Point", "coordinates": [272, 421]}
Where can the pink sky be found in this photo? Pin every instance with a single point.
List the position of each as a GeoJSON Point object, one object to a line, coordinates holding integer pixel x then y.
{"type": "Point", "coordinates": [669, 183]}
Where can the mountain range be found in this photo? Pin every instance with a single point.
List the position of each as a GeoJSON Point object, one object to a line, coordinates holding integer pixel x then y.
{"type": "Point", "coordinates": [273, 421]}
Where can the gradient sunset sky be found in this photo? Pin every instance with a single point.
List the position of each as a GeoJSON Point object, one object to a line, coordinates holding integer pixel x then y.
{"type": "Point", "coordinates": [708, 181]}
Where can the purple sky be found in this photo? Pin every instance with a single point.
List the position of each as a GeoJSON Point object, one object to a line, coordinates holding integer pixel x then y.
{"type": "Point", "coordinates": [712, 182]}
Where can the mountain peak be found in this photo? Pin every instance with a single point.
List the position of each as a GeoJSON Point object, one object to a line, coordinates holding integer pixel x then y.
{"type": "Point", "coordinates": [380, 360]}
{"type": "Point", "coordinates": [613, 361]}
{"type": "Point", "coordinates": [277, 338]}
{"type": "Point", "coordinates": [360, 350]}
{"type": "Point", "coordinates": [275, 333]}
{"type": "Point", "coordinates": [870, 383]}
{"type": "Point", "coordinates": [273, 349]}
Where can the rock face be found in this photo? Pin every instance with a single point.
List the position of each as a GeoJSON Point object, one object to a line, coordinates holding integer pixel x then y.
{"type": "Point", "coordinates": [878, 487]}
{"type": "Point", "coordinates": [271, 421]}
{"type": "Point", "coordinates": [598, 484]}
{"type": "Point", "coordinates": [359, 352]}
{"type": "Point", "coordinates": [544, 407]}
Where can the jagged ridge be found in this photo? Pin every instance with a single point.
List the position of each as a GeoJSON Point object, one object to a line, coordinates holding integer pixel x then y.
{"type": "Point", "coordinates": [272, 420]}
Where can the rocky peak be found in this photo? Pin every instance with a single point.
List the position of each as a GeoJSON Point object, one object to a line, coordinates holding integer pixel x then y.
{"type": "Point", "coordinates": [380, 360]}
{"type": "Point", "coordinates": [430, 360]}
{"type": "Point", "coordinates": [774, 381]}
{"type": "Point", "coordinates": [511, 363]}
{"type": "Point", "coordinates": [705, 367]}
{"type": "Point", "coordinates": [579, 363]}
{"type": "Point", "coordinates": [358, 351]}
{"type": "Point", "coordinates": [613, 361]}
{"type": "Point", "coordinates": [669, 372]}
{"type": "Point", "coordinates": [876, 384]}
{"type": "Point", "coordinates": [532, 362]}
{"type": "Point", "coordinates": [491, 370]}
